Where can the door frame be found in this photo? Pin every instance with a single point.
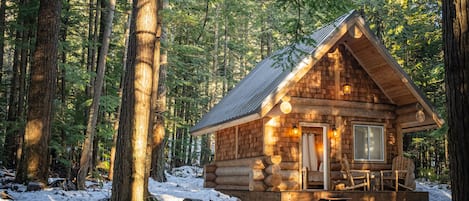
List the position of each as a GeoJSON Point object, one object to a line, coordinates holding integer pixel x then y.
{"type": "Point", "coordinates": [325, 139]}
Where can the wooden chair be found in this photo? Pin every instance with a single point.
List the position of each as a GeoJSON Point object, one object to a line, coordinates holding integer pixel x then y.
{"type": "Point", "coordinates": [312, 179]}
{"type": "Point", "coordinates": [402, 174]}
{"type": "Point", "coordinates": [356, 178]}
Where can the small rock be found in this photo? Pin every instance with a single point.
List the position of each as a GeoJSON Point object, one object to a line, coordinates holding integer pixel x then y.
{"type": "Point", "coordinates": [35, 186]}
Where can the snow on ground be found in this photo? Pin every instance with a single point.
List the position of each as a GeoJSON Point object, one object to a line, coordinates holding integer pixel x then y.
{"type": "Point", "coordinates": [184, 185]}
{"type": "Point", "coordinates": [183, 182]}
{"type": "Point", "coordinates": [436, 192]}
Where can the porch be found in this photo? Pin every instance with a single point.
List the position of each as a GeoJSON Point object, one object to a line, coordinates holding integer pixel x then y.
{"type": "Point", "coordinates": [317, 195]}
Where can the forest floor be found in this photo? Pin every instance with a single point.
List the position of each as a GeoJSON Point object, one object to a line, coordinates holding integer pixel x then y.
{"type": "Point", "coordinates": [183, 182]}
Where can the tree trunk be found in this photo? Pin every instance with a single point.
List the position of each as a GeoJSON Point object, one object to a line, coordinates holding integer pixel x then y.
{"type": "Point", "coordinates": [121, 86]}
{"type": "Point", "coordinates": [216, 36]}
{"type": "Point", "coordinates": [205, 151]}
{"type": "Point", "coordinates": [35, 159]}
{"type": "Point", "coordinates": [94, 14]}
{"type": "Point", "coordinates": [2, 36]}
{"type": "Point", "coordinates": [87, 149]}
{"type": "Point", "coordinates": [16, 97]}
{"type": "Point", "coordinates": [154, 136]}
{"type": "Point", "coordinates": [158, 160]}
{"type": "Point", "coordinates": [456, 48]}
{"type": "Point", "coordinates": [63, 94]}
{"type": "Point", "coordinates": [129, 178]}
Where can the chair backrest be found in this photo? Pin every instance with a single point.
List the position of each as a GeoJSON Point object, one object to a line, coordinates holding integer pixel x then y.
{"type": "Point", "coordinates": [403, 163]}
{"type": "Point", "coordinates": [346, 167]}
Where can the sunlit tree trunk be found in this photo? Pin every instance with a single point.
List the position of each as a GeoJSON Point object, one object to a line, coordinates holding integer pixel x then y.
{"type": "Point", "coordinates": [456, 48]}
{"type": "Point", "coordinates": [130, 162]}
{"type": "Point", "coordinates": [35, 159]}
{"type": "Point", "coordinates": [87, 149]}
{"type": "Point", "coordinates": [159, 104]}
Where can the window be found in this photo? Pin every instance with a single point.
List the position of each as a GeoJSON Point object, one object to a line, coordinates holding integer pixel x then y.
{"type": "Point", "coordinates": [368, 142]}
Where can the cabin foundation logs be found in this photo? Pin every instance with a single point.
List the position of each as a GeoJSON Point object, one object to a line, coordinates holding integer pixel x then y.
{"type": "Point", "coordinates": [266, 173]}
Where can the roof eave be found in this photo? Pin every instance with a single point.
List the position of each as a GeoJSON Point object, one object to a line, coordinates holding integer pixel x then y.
{"type": "Point", "coordinates": [237, 121]}
{"type": "Point", "coordinates": [421, 99]}
{"type": "Point", "coordinates": [308, 62]}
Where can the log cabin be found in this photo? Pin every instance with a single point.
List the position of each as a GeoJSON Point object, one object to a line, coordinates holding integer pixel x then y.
{"type": "Point", "coordinates": [286, 130]}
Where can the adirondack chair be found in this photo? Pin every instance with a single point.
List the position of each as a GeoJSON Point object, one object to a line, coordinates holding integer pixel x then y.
{"type": "Point", "coordinates": [402, 174]}
{"type": "Point", "coordinates": [356, 178]}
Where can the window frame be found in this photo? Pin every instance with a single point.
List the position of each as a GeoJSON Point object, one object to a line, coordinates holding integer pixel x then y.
{"type": "Point", "coordinates": [383, 147]}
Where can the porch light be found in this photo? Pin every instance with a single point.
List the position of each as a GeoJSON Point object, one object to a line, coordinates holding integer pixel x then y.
{"type": "Point", "coordinates": [347, 89]}
{"type": "Point", "coordinates": [295, 130]}
{"type": "Point", "coordinates": [334, 131]}
{"type": "Point", "coordinates": [285, 106]}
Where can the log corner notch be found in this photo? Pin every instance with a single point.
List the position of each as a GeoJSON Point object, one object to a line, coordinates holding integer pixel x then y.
{"type": "Point", "coordinates": [273, 178]}
{"type": "Point", "coordinates": [248, 174]}
{"type": "Point", "coordinates": [209, 176]}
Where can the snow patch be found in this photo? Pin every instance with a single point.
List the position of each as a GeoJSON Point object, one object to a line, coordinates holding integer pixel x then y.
{"type": "Point", "coordinates": [183, 182]}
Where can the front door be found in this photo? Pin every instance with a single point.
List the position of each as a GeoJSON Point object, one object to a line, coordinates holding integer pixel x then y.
{"type": "Point", "coordinates": [314, 160]}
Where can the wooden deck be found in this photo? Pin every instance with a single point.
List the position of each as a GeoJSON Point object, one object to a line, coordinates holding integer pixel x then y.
{"type": "Point", "coordinates": [323, 195]}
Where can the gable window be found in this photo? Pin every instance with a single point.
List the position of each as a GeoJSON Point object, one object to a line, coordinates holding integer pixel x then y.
{"type": "Point", "coordinates": [368, 142]}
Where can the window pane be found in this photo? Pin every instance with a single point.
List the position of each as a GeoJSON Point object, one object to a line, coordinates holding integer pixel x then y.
{"type": "Point", "coordinates": [361, 149]}
{"type": "Point", "coordinates": [368, 142]}
{"type": "Point", "coordinates": [375, 140]}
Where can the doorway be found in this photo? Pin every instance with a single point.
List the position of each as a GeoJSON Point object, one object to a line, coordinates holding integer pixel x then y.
{"type": "Point", "coordinates": [314, 152]}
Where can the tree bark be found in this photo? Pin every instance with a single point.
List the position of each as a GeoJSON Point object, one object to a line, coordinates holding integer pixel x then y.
{"type": "Point", "coordinates": [456, 49]}
{"type": "Point", "coordinates": [87, 149]}
{"type": "Point", "coordinates": [16, 97]}
{"type": "Point", "coordinates": [121, 86]}
{"type": "Point", "coordinates": [2, 36]}
{"type": "Point", "coordinates": [35, 159]}
{"type": "Point", "coordinates": [130, 163]}
{"type": "Point", "coordinates": [158, 160]}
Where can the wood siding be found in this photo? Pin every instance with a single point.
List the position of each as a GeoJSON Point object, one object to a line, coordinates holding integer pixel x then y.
{"type": "Point", "coordinates": [331, 73]}
{"type": "Point", "coordinates": [243, 141]}
{"type": "Point", "coordinates": [225, 145]}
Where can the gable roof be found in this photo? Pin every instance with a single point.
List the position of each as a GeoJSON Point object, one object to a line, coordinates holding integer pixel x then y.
{"type": "Point", "coordinates": [266, 84]}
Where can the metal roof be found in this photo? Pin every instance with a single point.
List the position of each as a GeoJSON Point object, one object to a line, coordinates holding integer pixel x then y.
{"type": "Point", "coordinates": [247, 97]}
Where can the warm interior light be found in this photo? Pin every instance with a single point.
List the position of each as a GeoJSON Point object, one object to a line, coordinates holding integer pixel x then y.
{"type": "Point", "coordinates": [295, 130]}
{"type": "Point", "coordinates": [347, 89]}
{"type": "Point", "coordinates": [334, 131]}
{"type": "Point", "coordinates": [285, 107]}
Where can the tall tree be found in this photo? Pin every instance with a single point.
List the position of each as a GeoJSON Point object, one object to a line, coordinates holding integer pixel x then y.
{"type": "Point", "coordinates": [456, 48]}
{"type": "Point", "coordinates": [34, 163]}
{"type": "Point", "coordinates": [2, 36]}
{"type": "Point", "coordinates": [121, 88]}
{"type": "Point", "coordinates": [87, 149]}
{"type": "Point", "coordinates": [159, 102]}
{"type": "Point", "coordinates": [130, 163]}
{"type": "Point", "coordinates": [21, 57]}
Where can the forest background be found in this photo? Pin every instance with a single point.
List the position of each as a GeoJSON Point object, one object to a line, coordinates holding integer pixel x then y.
{"type": "Point", "coordinates": [207, 47]}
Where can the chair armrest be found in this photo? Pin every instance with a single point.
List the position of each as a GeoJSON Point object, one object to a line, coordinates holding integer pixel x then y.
{"type": "Point", "coordinates": [361, 171]}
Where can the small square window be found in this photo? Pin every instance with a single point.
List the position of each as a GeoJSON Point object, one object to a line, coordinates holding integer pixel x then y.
{"type": "Point", "coordinates": [368, 142]}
